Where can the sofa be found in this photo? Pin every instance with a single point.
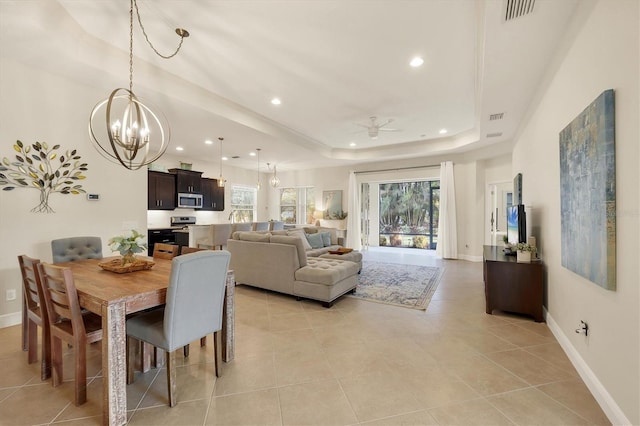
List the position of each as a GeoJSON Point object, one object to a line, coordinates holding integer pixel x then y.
{"type": "Point", "coordinates": [279, 262]}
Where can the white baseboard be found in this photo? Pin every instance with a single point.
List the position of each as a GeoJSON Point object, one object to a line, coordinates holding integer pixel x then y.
{"type": "Point", "coordinates": [606, 401]}
{"type": "Point", "coordinates": [470, 258]}
{"type": "Point", "coordinates": [8, 320]}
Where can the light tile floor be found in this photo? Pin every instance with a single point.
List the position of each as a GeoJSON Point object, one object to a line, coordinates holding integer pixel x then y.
{"type": "Point", "coordinates": [356, 363]}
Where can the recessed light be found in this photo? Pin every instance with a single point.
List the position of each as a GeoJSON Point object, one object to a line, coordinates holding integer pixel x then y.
{"type": "Point", "coordinates": [225, 158]}
{"type": "Point", "coordinates": [253, 154]}
{"type": "Point", "coordinates": [352, 144]}
{"type": "Point", "coordinates": [276, 101]}
{"type": "Point", "coordinates": [416, 61]}
{"type": "Point", "coordinates": [442, 131]}
{"type": "Point", "coordinates": [208, 142]}
{"type": "Point", "coordinates": [179, 148]}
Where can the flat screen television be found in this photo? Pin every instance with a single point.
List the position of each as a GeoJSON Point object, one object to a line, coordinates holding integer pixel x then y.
{"type": "Point", "coordinates": [516, 224]}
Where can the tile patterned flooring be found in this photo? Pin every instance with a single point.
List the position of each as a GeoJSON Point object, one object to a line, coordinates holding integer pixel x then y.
{"type": "Point", "coordinates": [357, 363]}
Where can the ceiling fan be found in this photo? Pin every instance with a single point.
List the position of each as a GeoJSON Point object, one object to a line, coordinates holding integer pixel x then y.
{"type": "Point", "coordinates": [373, 128]}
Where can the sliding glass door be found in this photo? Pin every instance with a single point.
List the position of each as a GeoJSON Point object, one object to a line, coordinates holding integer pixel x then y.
{"type": "Point", "coordinates": [408, 214]}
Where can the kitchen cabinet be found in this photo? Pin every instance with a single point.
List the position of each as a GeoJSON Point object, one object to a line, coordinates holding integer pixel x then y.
{"type": "Point", "coordinates": [163, 235]}
{"type": "Point", "coordinates": [187, 181]}
{"type": "Point", "coordinates": [161, 191]}
{"type": "Point", "coordinates": [212, 195]}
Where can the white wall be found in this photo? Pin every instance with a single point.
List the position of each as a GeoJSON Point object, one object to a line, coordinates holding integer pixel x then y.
{"type": "Point", "coordinates": [42, 107]}
{"type": "Point", "coordinates": [604, 55]}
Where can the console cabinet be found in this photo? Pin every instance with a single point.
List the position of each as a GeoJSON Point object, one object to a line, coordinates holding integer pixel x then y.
{"type": "Point", "coordinates": [212, 195]}
{"type": "Point", "coordinates": [161, 191]}
{"type": "Point", "coordinates": [511, 286]}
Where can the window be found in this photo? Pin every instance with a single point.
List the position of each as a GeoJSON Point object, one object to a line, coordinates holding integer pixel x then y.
{"type": "Point", "coordinates": [243, 204]}
{"type": "Point", "coordinates": [297, 205]}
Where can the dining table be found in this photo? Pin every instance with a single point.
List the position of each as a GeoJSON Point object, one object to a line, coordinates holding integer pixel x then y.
{"type": "Point", "coordinates": [113, 296]}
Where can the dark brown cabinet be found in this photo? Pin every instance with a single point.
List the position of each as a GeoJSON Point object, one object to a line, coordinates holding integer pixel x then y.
{"type": "Point", "coordinates": [511, 286]}
{"type": "Point", "coordinates": [161, 191]}
{"type": "Point", "coordinates": [187, 181]}
{"type": "Point", "coordinates": [212, 195]}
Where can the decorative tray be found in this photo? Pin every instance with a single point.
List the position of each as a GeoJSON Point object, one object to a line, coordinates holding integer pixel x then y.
{"type": "Point", "coordinates": [115, 265]}
{"type": "Point", "coordinates": [341, 250]}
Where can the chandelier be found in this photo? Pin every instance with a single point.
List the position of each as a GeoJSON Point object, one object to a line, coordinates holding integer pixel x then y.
{"type": "Point", "coordinates": [221, 180]}
{"type": "Point", "coordinates": [274, 181]}
{"type": "Point", "coordinates": [259, 185]}
{"type": "Point", "coordinates": [136, 135]}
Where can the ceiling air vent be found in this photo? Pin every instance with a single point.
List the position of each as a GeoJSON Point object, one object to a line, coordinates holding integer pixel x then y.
{"type": "Point", "coordinates": [494, 135]}
{"type": "Point", "coordinates": [517, 8]}
{"type": "Point", "coordinates": [498, 116]}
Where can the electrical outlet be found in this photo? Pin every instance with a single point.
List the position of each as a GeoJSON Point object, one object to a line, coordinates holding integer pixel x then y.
{"type": "Point", "coordinates": [11, 294]}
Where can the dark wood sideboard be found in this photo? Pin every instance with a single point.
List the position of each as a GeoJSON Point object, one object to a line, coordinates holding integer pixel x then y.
{"type": "Point", "coordinates": [511, 286]}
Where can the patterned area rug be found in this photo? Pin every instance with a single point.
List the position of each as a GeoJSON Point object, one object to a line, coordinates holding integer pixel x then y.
{"type": "Point", "coordinates": [409, 286]}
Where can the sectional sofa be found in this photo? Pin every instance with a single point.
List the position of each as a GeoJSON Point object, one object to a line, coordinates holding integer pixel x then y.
{"type": "Point", "coordinates": [279, 261]}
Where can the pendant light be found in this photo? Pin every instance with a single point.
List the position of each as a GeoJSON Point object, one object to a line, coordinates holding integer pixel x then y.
{"type": "Point", "coordinates": [136, 135]}
{"type": "Point", "coordinates": [274, 181]}
{"type": "Point", "coordinates": [221, 180]}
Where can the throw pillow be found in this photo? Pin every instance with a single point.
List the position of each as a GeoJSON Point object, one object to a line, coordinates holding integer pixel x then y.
{"type": "Point", "coordinates": [300, 234]}
{"type": "Point", "coordinates": [315, 240]}
{"type": "Point", "coordinates": [326, 239]}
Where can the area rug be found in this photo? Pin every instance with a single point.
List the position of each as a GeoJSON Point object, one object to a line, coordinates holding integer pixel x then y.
{"type": "Point", "coordinates": [409, 286]}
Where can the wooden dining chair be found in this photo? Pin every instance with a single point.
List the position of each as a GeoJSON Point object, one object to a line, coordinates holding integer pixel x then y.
{"type": "Point", "coordinates": [165, 251]}
{"type": "Point", "coordinates": [36, 315]}
{"type": "Point", "coordinates": [195, 298]}
{"type": "Point", "coordinates": [69, 324]}
{"type": "Point", "coordinates": [187, 250]}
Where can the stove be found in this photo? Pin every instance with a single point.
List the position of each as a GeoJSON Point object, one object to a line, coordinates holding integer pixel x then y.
{"type": "Point", "coordinates": [182, 221]}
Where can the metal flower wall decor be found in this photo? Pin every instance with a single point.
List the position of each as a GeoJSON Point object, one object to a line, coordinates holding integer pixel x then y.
{"type": "Point", "coordinates": [39, 167]}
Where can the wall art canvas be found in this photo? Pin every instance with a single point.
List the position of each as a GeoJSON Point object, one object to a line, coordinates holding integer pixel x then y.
{"type": "Point", "coordinates": [588, 193]}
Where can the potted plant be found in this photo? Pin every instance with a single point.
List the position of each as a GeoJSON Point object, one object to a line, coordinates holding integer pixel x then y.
{"type": "Point", "coordinates": [128, 245]}
{"type": "Point", "coordinates": [525, 251]}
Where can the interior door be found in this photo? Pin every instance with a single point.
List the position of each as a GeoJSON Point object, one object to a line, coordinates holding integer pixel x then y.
{"type": "Point", "coordinates": [499, 196]}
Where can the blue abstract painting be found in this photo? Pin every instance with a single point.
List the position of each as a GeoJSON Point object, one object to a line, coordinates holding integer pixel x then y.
{"type": "Point", "coordinates": [588, 193]}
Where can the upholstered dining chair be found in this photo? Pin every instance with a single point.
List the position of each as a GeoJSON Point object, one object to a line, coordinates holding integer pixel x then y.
{"type": "Point", "coordinates": [195, 298]}
{"type": "Point", "coordinates": [36, 315]}
{"type": "Point", "coordinates": [165, 251]}
{"type": "Point", "coordinates": [260, 226]}
{"type": "Point", "coordinates": [76, 248]}
{"type": "Point", "coordinates": [220, 233]}
{"type": "Point", "coordinates": [187, 250]}
{"type": "Point", "coordinates": [68, 323]}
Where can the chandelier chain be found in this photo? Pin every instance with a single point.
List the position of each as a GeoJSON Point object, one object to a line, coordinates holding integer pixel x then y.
{"type": "Point", "coordinates": [131, 47]}
{"type": "Point", "coordinates": [181, 34]}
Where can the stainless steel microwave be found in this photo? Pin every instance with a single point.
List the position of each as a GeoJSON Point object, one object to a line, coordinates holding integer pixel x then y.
{"type": "Point", "coordinates": [189, 201]}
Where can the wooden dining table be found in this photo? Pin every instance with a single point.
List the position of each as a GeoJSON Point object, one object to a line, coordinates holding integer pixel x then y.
{"type": "Point", "coordinates": [113, 296]}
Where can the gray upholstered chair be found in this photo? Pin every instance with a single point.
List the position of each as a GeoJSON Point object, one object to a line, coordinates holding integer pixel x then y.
{"type": "Point", "coordinates": [260, 226]}
{"type": "Point", "coordinates": [194, 309]}
{"type": "Point", "coordinates": [276, 225]}
{"type": "Point", "coordinates": [241, 227]}
{"type": "Point", "coordinates": [76, 248]}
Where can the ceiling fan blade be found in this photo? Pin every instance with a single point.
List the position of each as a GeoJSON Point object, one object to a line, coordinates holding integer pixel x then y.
{"type": "Point", "coordinates": [385, 123]}
{"type": "Point", "coordinates": [383, 129]}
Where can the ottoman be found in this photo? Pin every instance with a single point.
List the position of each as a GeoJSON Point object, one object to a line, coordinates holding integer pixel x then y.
{"type": "Point", "coordinates": [325, 279]}
{"type": "Point", "coordinates": [354, 256]}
